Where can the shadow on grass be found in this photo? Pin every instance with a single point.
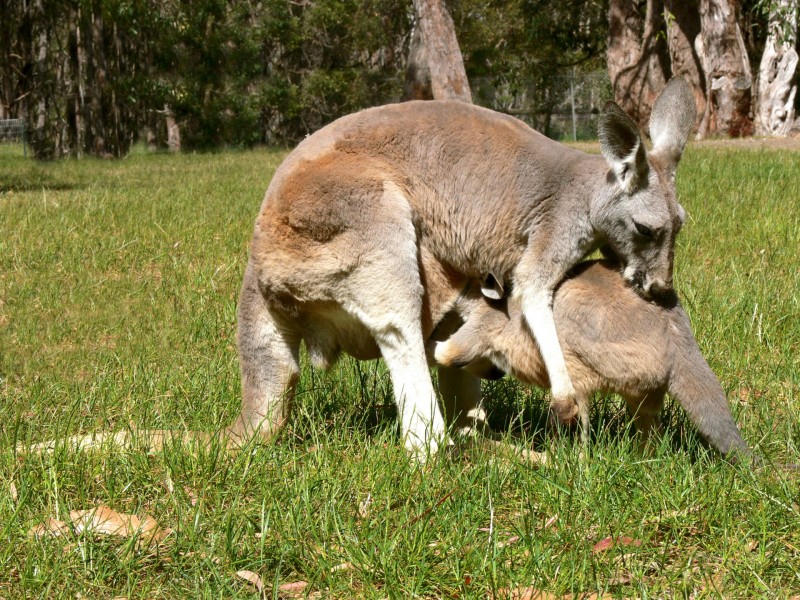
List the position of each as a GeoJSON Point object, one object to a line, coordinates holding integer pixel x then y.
{"type": "Point", "coordinates": [513, 408]}
{"type": "Point", "coordinates": [36, 183]}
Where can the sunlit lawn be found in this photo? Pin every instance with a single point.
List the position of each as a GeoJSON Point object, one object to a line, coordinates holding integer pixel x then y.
{"type": "Point", "coordinates": [118, 289]}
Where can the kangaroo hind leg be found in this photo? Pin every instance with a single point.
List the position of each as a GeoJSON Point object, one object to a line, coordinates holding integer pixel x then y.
{"type": "Point", "coordinates": [269, 362]}
{"type": "Point", "coordinates": [385, 293]}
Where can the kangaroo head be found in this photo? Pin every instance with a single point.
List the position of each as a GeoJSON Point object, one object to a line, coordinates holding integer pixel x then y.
{"type": "Point", "coordinates": [638, 215]}
{"type": "Point", "coordinates": [485, 321]}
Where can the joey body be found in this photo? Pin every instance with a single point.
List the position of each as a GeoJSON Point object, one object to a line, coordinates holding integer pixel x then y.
{"type": "Point", "coordinates": [613, 339]}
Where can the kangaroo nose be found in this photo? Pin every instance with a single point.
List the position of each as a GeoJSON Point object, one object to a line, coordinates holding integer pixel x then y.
{"type": "Point", "coordinates": [659, 288]}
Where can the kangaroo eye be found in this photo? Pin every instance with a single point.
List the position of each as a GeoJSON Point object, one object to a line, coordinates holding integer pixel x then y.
{"type": "Point", "coordinates": [643, 230]}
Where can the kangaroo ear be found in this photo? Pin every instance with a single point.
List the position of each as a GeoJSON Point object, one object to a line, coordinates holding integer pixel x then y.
{"type": "Point", "coordinates": [492, 287]}
{"type": "Point", "coordinates": [672, 119]}
{"type": "Point", "coordinates": [622, 147]}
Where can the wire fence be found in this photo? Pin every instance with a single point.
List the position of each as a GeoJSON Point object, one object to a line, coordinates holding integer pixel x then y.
{"type": "Point", "coordinates": [13, 131]}
{"type": "Point", "coordinates": [563, 106]}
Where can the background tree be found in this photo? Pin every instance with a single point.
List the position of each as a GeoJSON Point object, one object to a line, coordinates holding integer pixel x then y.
{"type": "Point", "coordinates": [638, 56]}
{"type": "Point", "coordinates": [435, 66]}
{"type": "Point", "coordinates": [682, 19]}
{"type": "Point", "coordinates": [727, 70]}
{"type": "Point", "coordinates": [523, 54]}
{"type": "Point", "coordinates": [96, 76]}
{"type": "Point", "coordinates": [777, 73]}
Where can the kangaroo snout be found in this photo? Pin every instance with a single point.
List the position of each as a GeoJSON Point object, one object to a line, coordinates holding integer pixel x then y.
{"type": "Point", "coordinates": [647, 285]}
{"type": "Point", "coordinates": [658, 287]}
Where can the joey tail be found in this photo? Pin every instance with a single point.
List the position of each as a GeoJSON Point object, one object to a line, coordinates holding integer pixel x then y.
{"type": "Point", "coordinates": [695, 386]}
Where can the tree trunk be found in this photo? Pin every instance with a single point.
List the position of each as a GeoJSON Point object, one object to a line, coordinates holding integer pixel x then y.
{"type": "Point", "coordinates": [437, 47]}
{"type": "Point", "coordinates": [75, 108]}
{"type": "Point", "coordinates": [96, 80]}
{"type": "Point", "coordinates": [683, 27]}
{"type": "Point", "coordinates": [418, 74]}
{"type": "Point", "coordinates": [173, 131]}
{"type": "Point", "coordinates": [729, 80]}
{"type": "Point", "coordinates": [43, 142]}
{"type": "Point", "coordinates": [777, 85]}
{"type": "Point", "coordinates": [638, 58]}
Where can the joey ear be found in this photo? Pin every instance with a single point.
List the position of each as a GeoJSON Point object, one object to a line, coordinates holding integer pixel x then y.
{"type": "Point", "coordinates": [492, 288]}
{"type": "Point", "coordinates": [671, 120]}
{"type": "Point", "coordinates": [622, 147]}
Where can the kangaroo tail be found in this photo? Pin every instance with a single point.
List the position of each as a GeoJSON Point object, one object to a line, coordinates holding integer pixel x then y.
{"type": "Point", "coordinates": [695, 386]}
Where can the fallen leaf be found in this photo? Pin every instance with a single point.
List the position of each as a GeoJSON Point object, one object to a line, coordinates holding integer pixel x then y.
{"type": "Point", "coordinates": [675, 514]}
{"type": "Point", "coordinates": [752, 545]}
{"type": "Point", "coordinates": [252, 578]}
{"type": "Point", "coordinates": [150, 531]}
{"type": "Point", "coordinates": [620, 580]}
{"type": "Point", "coordinates": [14, 495]}
{"type": "Point", "coordinates": [293, 590]}
{"type": "Point", "coordinates": [549, 523]}
{"type": "Point", "coordinates": [528, 593]}
{"type": "Point", "coordinates": [794, 548]}
{"type": "Point", "coordinates": [603, 545]}
{"type": "Point", "coordinates": [610, 542]}
{"type": "Point", "coordinates": [51, 527]}
{"type": "Point", "coordinates": [102, 520]}
{"type": "Point", "coordinates": [363, 506]}
{"type": "Point", "coordinates": [192, 496]}
{"type": "Point", "coordinates": [345, 566]}
{"type": "Point", "coordinates": [512, 540]}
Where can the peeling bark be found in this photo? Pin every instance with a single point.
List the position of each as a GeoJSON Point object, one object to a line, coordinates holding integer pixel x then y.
{"type": "Point", "coordinates": [729, 80]}
{"type": "Point", "coordinates": [777, 84]}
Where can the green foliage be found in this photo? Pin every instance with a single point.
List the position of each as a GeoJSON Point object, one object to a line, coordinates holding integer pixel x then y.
{"type": "Point", "coordinates": [530, 42]}
{"type": "Point", "coordinates": [239, 73]}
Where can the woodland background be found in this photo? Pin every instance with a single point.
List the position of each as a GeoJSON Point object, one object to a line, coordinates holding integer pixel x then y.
{"type": "Point", "coordinates": [94, 77]}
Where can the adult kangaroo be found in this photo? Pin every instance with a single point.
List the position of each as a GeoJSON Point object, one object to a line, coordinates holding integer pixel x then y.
{"type": "Point", "coordinates": [613, 339]}
{"type": "Point", "coordinates": [345, 218]}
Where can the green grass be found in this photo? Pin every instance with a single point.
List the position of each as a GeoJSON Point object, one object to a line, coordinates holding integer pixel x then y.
{"type": "Point", "coordinates": [118, 288]}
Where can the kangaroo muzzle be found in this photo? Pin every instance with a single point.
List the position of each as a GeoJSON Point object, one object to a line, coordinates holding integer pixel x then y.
{"type": "Point", "coordinates": [647, 286]}
{"type": "Point", "coordinates": [658, 287]}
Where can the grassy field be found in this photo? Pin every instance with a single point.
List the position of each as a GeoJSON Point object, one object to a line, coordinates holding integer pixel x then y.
{"type": "Point", "coordinates": [118, 288]}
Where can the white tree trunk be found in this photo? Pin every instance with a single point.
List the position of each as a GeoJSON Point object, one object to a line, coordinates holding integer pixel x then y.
{"type": "Point", "coordinates": [173, 130]}
{"type": "Point", "coordinates": [777, 84]}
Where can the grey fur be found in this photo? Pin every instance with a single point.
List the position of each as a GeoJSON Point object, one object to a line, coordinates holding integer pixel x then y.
{"type": "Point", "coordinates": [337, 246]}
